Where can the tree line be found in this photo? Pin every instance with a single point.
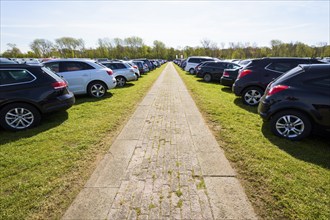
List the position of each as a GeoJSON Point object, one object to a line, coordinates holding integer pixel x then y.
{"type": "Point", "coordinates": [134, 47]}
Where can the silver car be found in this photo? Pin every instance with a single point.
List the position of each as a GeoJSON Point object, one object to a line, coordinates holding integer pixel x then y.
{"type": "Point", "coordinates": [84, 76]}
{"type": "Point", "coordinates": [121, 71]}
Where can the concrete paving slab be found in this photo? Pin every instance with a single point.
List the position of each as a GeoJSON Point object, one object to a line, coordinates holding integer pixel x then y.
{"type": "Point", "coordinates": [91, 203]}
{"type": "Point", "coordinates": [227, 198]}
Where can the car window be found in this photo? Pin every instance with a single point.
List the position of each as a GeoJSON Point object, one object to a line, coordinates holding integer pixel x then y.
{"type": "Point", "coordinates": [232, 66]}
{"type": "Point", "coordinates": [15, 76]}
{"type": "Point", "coordinates": [194, 60]}
{"type": "Point", "coordinates": [74, 66]}
{"type": "Point", "coordinates": [205, 59]}
{"type": "Point", "coordinates": [55, 67]}
{"type": "Point", "coordinates": [120, 66]}
{"type": "Point", "coordinates": [281, 66]}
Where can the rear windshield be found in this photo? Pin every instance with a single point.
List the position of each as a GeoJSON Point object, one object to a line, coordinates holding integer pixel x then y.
{"type": "Point", "coordinates": [291, 73]}
{"type": "Point", "coordinates": [51, 73]}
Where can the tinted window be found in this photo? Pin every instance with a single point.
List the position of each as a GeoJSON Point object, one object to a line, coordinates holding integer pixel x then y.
{"type": "Point", "coordinates": [232, 66]}
{"type": "Point", "coordinates": [281, 66]}
{"type": "Point", "coordinates": [55, 67]}
{"type": "Point", "coordinates": [15, 76]}
{"type": "Point", "coordinates": [205, 59]}
{"type": "Point", "coordinates": [120, 66]}
{"type": "Point", "coordinates": [194, 60]}
{"type": "Point", "coordinates": [75, 66]}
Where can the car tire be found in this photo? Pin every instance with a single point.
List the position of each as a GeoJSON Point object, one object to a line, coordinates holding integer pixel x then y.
{"type": "Point", "coordinates": [96, 89]}
{"type": "Point", "coordinates": [192, 71]}
{"type": "Point", "coordinates": [252, 95]}
{"type": "Point", "coordinates": [121, 81]}
{"type": "Point", "coordinates": [207, 77]}
{"type": "Point", "coordinates": [19, 116]}
{"type": "Point", "coordinates": [290, 124]}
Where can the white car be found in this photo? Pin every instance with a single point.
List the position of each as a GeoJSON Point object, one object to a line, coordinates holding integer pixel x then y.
{"type": "Point", "coordinates": [192, 62]}
{"type": "Point", "coordinates": [136, 68]}
{"type": "Point", "coordinates": [121, 71]}
{"type": "Point", "coordinates": [84, 76]}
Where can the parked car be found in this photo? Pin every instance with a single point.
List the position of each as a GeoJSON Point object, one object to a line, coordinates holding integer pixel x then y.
{"type": "Point", "coordinates": [230, 75]}
{"type": "Point", "coordinates": [142, 67]}
{"type": "Point", "coordinates": [193, 61]}
{"type": "Point", "coordinates": [135, 68]}
{"type": "Point", "coordinates": [6, 61]}
{"type": "Point", "coordinates": [253, 79]}
{"type": "Point", "coordinates": [298, 102]}
{"type": "Point", "coordinates": [121, 71]}
{"type": "Point", "coordinates": [146, 61]}
{"type": "Point", "coordinates": [212, 70]}
{"type": "Point", "coordinates": [84, 76]}
{"type": "Point", "coordinates": [27, 92]}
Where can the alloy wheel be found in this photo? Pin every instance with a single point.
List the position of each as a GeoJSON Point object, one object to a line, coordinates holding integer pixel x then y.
{"type": "Point", "coordinates": [19, 118]}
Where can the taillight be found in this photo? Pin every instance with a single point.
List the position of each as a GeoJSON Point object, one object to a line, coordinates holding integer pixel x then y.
{"type": "Point", "coordinates": [277, 89]}
{"type": "Point", "coordinates": [109, 72]}
{"type": "Point", "coordinates": [135, 67]}
{"type": "Point", "coordinates": [59, 85]}
{"type": "Point", "coordinates": [244, 73]}
{"type": "Point", "coordinates": [225, 74]}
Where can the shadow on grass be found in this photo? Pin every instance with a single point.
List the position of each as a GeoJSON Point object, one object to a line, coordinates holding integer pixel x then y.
{"type": "Point", "coordinates": [253, 109]}
{"type": "Point", "coordinates": [127, 85]}
{"type": "Point", "coordinates": [80, 99]}
{"type": "Point", "coordinates": [48, 121]}
{"type": "Point", "coordinates": [313, 149]}
{"type": "Point", "coordinates": [213, 82]}
{"type": "Point", "coordinates": [227, 90]}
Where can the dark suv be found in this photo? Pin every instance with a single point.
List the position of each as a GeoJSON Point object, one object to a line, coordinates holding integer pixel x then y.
{"type": "Point", "coordinates": [253, 79]}
{"type": "Point", "coordinates": [213, 70]}
{"type": "Point", "coordinates": [26, 92]}
{"type": "Point", "coordinates": [298, 102]}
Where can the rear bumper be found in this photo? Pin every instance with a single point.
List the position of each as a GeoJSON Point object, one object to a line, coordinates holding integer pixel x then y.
{"type": "Point", "coordinates": [59, 103]}
{"type": "Point", "coordinates": [226, 81]}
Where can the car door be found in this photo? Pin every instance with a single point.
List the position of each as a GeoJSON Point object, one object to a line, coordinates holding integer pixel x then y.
{"type": "Point", "coordinates": [77, 74]}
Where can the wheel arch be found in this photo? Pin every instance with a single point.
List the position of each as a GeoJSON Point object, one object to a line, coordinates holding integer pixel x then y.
{"type": "Point", "coordinates": [299, 109]}
{"type": "Point", "coordinates": [36, 106]}
{"type": "Point", "coordinates": [93, 81]}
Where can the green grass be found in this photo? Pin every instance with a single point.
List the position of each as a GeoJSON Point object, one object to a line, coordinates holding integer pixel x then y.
{"type": "Point", "coordinates": [283, 179]}
{"type": "Point", "coordinates": [44, 168]}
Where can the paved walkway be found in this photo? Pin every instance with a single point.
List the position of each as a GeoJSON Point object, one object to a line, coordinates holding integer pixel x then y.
{"type": "Point", "coordinates": [165, 164]}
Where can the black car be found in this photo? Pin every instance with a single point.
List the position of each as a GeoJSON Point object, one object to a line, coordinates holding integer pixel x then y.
{"type": "Point", "coordinates": [26, 92]}
{"type": "Point", "coordinates": [253, 79]}
{"type": "Point", "coordinates": [213, 70]}
{"type": "Point", "coordinates": [298, 102]}
{"type": "Point", "coordinates": [230, 75]}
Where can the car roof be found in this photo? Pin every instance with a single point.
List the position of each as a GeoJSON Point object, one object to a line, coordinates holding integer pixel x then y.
{"type": "Point", "coordinates": [19, 66]}
{"type": "Point", "coordinates": [70, 60]}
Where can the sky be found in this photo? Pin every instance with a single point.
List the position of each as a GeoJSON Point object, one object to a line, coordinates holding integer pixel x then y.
{"type": "Point", "coordinates": [176, 23]}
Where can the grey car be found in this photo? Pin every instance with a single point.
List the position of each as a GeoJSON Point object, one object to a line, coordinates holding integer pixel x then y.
{"type": "Point", "coordinates": [123, 72]}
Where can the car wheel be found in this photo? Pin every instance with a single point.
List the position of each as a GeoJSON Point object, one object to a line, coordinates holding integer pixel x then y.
{"type": "Point", "coordinates": [121, 81]}
{"type": "Point", "coordinates": [207, 77]}
{"type": "Point", "coordinates": [96, 89]}
{"type": "Point", "coordinates": [292, 125]}
{"type": "Point", "coordinates": [252, 96]}
{"type": "Point", "coordinates": [192, 71]}
{"type": "Point", "coordinates": [19, 116]}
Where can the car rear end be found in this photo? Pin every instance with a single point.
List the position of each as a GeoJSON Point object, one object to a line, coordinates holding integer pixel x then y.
{"type": "Point", "coordinates": [248, 75]}
{"type": "Point", "coordinates": [56, 95]}
{"type": "Point", "coordinates": [104, 74]}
